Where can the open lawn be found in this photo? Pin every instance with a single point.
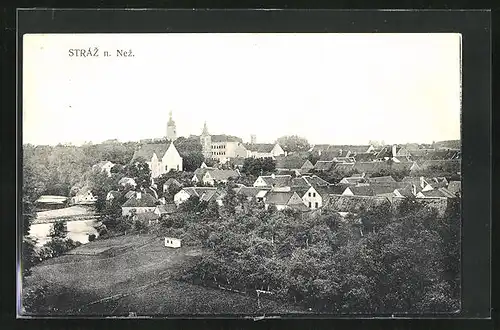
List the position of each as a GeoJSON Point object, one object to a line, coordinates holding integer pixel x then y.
{"type": "Point", "coordinates": [135, 273]}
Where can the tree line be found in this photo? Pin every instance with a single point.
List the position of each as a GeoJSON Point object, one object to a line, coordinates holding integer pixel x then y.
{"type": "Point", "coordinates": [375, 262]}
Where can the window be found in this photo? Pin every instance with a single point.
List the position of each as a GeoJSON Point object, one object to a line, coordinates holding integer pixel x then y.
{"type": "Point", "coordinates": [309, 194]}
{"type": "Point", "coordinates": [314, 194]}
{"type": "Point", "coordinates": [316, 205]}
{"type": "Point", "coordinates": [309, 204]}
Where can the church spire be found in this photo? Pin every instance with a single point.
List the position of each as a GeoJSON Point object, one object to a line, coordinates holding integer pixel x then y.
{"type": "Point", "coordinates": [205, 129]}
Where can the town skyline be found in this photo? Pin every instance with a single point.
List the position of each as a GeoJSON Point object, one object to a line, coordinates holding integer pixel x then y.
{"type": "Point", "coordinates": [327, 88]}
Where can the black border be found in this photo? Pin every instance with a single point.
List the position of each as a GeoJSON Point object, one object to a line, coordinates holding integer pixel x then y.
{"type": "Point", "coordinates": [473, 25]}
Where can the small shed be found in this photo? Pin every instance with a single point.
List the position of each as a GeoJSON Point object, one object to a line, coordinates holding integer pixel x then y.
{"type": "Point", "coordinates": [173, 242]}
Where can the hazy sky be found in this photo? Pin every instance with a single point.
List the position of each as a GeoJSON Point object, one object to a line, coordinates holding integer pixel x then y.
{"type": "Point", "coordinates": [329, 88]}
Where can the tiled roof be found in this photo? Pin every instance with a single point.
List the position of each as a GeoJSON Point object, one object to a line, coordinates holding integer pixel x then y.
{"type": "Point", "coordinates": [278, 180]}
{"type": "Point", "coordinates": [222, 175]}
{"type": "Point", "coordinates": [339, 188]}
{"type": "Point", "coordinates": [402, 166]}
{"type": "Point", "coordinates": [198, 191]}
{"type": "Point", "coordinates": [146, 200]}
{"type": "Point", "coordinates": [344, 167]}
{"type": "Point", "coordinates": [300, 182]}
{"type": "Point", "coordinates": [406, 191]}
{"type": "Point", "coordinates": [225, 138]}
{"type": "Point", "coordinates": [316, 180]}
{"type": "Point", "coordinates": [146, 151]}
{"type": "Point", "coordinates": [249, 191]}
{"type": "Point", "coordinates": [353, 179]}
{"type": "Point", "coordinates": [369, 167]}
{"type": "Point", "coordinates": [364, 157]}
{"type": "Point", "coordinates": [441, 192]}
{"type": "Point", "coordinates": [301, 191]}
{"type": "Point", "coordinates": [260, 147]}
{"type": "Point", "coordinates": [362, 191]}
{"type": "Point", "coordinates": [381, 179]}
{"type": "Point", "coordinates": [330, 155]}
{"type": "Point", "coordinates": [322, 165]}
{"type": "Point", "coordinates": [278, 197]}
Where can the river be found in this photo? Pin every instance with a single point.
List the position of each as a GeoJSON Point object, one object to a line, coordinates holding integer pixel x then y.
{"type": "Point", "coordinates": [78, 230]}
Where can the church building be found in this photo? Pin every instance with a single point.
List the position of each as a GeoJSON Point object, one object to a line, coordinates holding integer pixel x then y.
{"type": "Point", "coordinates": [161, 157]}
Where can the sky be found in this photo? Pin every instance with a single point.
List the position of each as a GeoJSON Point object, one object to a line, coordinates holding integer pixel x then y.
{"type": "Point", "coordinates": [328, 88]}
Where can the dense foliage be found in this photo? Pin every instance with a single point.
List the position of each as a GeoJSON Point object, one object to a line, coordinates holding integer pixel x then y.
{"type": "Point", "coordinates": [375, 262]}
{"type": "Point", "coordinates": [293, 143]}
{"type": "Point", "coordinates": [258, 166]}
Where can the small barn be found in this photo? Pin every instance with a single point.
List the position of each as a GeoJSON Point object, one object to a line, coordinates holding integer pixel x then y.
{"type": "Point", "coordinates": [173, 242]}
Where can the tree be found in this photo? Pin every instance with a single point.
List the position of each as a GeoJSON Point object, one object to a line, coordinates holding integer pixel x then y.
{"type": "Point", "coordinates": [293, 143]}
{"type": "Point", "coordinates": [258, 166]}
{"type": "Point", "coordinates": [140, 172]}
{"type": "Point", "coordinates": [59, 230]}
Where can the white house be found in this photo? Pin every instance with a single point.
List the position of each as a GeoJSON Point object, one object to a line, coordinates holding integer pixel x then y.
{"type": "Point", "coordinates": [214, 176]}
{"type": "Point", "coordinates": [264, 150]}
{"type": "Point", "coordinates": [312, 199]}
{"type": "Point", "coordinates": [159, 158]}
{"type": "Point", "coordinates": [203, 193]}
{"type": "Point", "coordinates": [173, 242]}
{"type": "Point", "coordinates": [84, 197]}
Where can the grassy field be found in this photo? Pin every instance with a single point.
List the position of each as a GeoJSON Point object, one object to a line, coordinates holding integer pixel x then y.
{"type": "Point", "coordinates": [136, 274]}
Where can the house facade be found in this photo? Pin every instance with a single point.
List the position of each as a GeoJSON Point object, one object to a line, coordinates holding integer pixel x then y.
{"type": "Point", "coordinates": [84, 197]}
{"type": "Point", "coordinates": [140, 202]}
{"type": "Point", "coordinates": [160, 158]}
{"type": "Point", "coordinates": [221, 148]}
{"type": "Point", "coordinates": [263, 150]}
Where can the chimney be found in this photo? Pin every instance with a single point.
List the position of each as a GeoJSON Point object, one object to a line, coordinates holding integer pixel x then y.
{"type": "Point", "coordinates": [273, 176]}
{"type": "Point", "coordinates": [394, 150]}
{"type": "Point", "coordinates": [422, 182]}
{"type": "Point", "coordinates": [413, 189]}
{"type": "Point", "coordinates": [138, 195]}
{"type": "Point", "coordinates": [286, 153]}
{"type": "Point", "coordinates": [319, 152]}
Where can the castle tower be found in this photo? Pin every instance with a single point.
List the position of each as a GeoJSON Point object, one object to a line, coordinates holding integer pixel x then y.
{"type": "Point", "coordinates": [206, 142]}
{"type": "Point", "coordinates": [171, 130]}
{"type": "Point", "coordinates": [253, 139]}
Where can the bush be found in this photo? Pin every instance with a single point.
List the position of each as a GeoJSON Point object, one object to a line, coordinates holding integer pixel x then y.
{"type": "Point", "coordinates": [92, 237]}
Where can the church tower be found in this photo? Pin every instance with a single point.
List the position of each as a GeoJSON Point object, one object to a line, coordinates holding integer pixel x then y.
{"type": "Point", "coordinates": [206, 142]}
{"type": "Point", "coordinates": [171, 130]}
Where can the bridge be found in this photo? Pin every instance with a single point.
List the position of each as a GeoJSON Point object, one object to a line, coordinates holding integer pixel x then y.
{"type": "Point", "coordinates": [72, 213]}
{"type": "Point", "coordinates": [66, 219]}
